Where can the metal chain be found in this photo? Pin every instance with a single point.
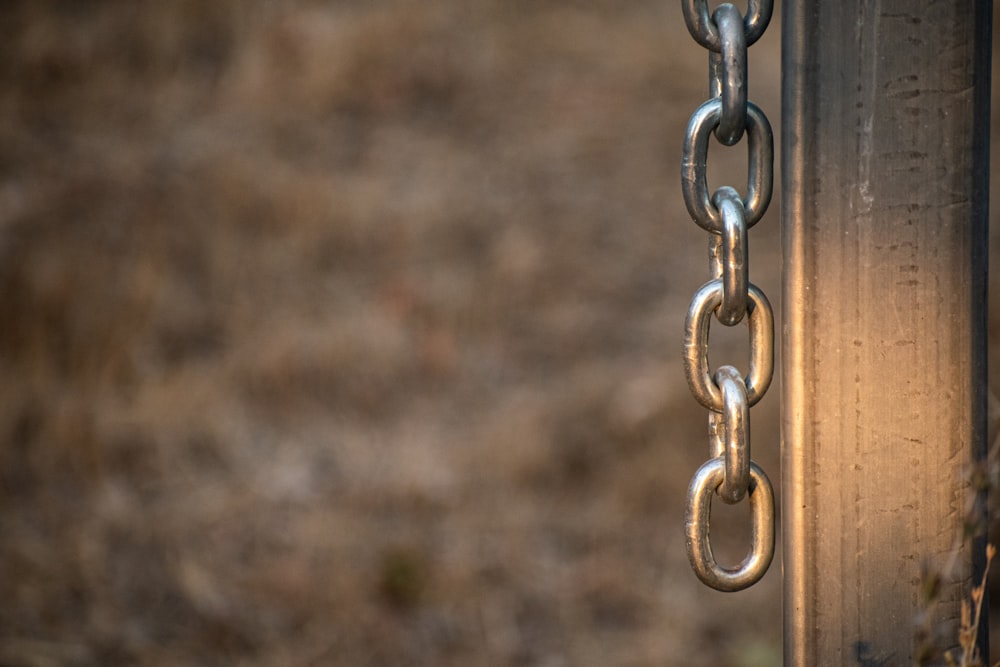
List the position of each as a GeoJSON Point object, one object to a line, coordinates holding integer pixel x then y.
{"type": "Point", "coordinates": [726, 393]}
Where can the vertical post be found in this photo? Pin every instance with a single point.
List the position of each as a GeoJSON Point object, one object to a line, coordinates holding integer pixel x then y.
{"type": "Point", "coordinates": [885, 119]}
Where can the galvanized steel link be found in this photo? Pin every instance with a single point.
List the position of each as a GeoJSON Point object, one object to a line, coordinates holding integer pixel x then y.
{"type": "Point", "coordinates": [706, 32]}
{"type": "Point", "coordinates": [735, 436]}
{"type": "Point", "coordinates": [696, 328]}
{"type": "Point", "coordinates": [706, 480]}
{"type": "Point", "coordinates": [694, 165]}
{"type": "Point", "coordinates": [732, 256]}
{"type": "Point", "coordinates": [727, 73]}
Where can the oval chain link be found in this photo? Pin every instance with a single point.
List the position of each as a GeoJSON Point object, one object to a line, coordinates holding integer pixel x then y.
{"type": "Point", "coordinates": [694, 165]}
{"type": "Point", "coordinates": [736, 436]}
{"type": "Point", "coordinates": [732, 256]}
{"type": "Point", "coordinates": [699, 513]}
{"type": "Point", "coordinates": [704, 30]}
{"type": "Point", "coordinates": [729, 295]}
{"type": "Point", "coordinates": [696, 329]}
{"type": "Point", "coordinates": [727, 74]}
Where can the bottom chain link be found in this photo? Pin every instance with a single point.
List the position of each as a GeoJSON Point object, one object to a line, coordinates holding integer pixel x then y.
{"type": "Point", "coordinates": [707, 479]}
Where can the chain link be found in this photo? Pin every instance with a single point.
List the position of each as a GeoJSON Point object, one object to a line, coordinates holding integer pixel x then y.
{"type": "Point", "coordinates": [732, 256]}
{"type": "Point", "coordinates": [696, 329]}
{"type": "Point", "coordinates": [694, 165]}
{"type": "Point", "coordinates": [727, 74]}
{"type": "Point", "coordinates": [699, 513]}
{"type": "Point", "coordinates": [727, 394]}
{"type": "Point", "coordinates": [706, 32]}
{"type": "Point", "coordinates": [736, 436]}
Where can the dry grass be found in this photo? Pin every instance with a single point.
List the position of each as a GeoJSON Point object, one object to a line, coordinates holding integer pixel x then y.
{"type": "Point", "coordinates": [335, 334]}
{"type": "Point", "coordinates": [348, 333]}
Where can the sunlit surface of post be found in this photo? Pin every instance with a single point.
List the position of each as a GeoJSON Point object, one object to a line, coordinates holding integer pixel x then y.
{"type": "Point", "coordinates": [885, 127]}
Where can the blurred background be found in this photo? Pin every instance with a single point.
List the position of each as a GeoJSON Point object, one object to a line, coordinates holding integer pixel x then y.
{"type": "Point", "coordinates": [349, 333]}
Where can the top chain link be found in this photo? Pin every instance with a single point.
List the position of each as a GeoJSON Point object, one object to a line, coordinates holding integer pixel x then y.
{"type": "Point", "coordinates": [729, 474]}
{"type": "Point", "coordinates": [727, 74]}
{"type": "Point", "coordinates": [705, 31]}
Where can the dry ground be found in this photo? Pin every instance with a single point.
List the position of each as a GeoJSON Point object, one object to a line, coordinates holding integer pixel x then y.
{"type": "Point", "coordinates": [348, 333]}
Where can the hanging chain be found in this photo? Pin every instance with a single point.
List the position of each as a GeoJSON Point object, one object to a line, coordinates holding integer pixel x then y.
{"type": "Point", "coordinates": [726, 393]}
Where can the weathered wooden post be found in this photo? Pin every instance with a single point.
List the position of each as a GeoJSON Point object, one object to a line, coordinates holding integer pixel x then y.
{"type": "Point", "coordinates": [885, 126]}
